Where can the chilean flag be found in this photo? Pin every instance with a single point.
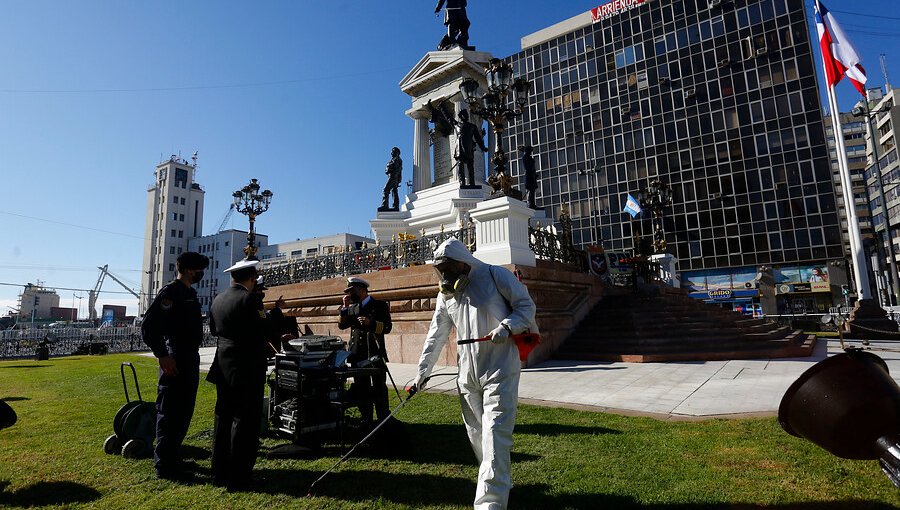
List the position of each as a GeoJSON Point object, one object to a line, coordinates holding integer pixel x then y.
{"type": "Point", "coordinates": [840, 56]}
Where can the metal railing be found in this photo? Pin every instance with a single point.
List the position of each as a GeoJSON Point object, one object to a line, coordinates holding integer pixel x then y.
{"type": "Point", "coordinates": [23, 343]}
{"type": "Point", "coordinates": [558, 247]}
{"type": "Point", "coordinates": [412, 251]}
{"type": "Point", "coordinates": [401, 253]}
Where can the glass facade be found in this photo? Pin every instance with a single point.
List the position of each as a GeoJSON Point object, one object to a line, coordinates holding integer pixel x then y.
{"type": "Point", "coordinates": [717, 99]}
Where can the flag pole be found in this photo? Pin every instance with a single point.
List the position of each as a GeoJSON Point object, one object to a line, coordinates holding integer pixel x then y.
{"type": "Point", "coordinates": [857, 255]}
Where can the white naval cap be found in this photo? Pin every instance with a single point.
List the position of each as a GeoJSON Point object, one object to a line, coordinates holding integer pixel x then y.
{"type": "Point", "coordinates": [242, 264]}
{"type": "Point", "coordinates": [355, 281]}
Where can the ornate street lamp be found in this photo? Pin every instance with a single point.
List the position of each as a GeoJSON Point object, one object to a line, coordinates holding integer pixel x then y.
{"type": "Point", "coordinates": [492, 105]}
{"type": "Point", "coordinates": [249, 201]}
{"type": "Point", "coordinates": [657, 197]}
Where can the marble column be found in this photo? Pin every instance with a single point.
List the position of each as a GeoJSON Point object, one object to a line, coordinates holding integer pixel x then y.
{"type": "Point", "coordinates": [421, 152]}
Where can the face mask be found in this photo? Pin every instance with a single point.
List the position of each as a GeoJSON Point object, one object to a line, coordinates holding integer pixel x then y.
{"type": "Point", "coordinates": [452, 283]}
{"type": "Point", "coordinates": [198, 275]}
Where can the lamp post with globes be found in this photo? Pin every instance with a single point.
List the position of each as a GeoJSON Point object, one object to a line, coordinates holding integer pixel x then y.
{"type": "Point", "coordinates": [656, 197]}
{"type": "Point", "coordinates": [492, 105]}
{"type": "Point", "coordinates": [250, 202]}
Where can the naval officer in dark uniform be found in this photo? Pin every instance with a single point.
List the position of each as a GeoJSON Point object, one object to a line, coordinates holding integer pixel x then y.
{"type": "Point", "coordinates": [369, 319]}
{"type": "Point", "coordinates": [173, 329]}
{"type": "Point", "coordinates": [238, 319]}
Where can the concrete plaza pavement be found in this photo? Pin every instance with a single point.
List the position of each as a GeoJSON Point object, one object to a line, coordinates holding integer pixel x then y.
{"type": "Point", "coordinates": [671, 390]}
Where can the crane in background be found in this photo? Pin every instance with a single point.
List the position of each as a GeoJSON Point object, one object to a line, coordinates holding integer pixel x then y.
{"type": "Point", "coordinates": [215, 254]}
{"type": "Point", "coordinates": [95, 292]}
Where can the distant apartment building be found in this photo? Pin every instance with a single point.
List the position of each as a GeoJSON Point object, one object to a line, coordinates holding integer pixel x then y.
{"type": "Point", "coordinates": [174, 216]}
{"type": "Point", "coordinates": [223, 249]}
{"type": "Point", "coordinates": [882, 165]}
{"type": "Point", "coordinates": [312, 247]}
{"type": "Point", "coordinates": [854, 133]}
{"type": "Point", "coordinates": [175, 225]}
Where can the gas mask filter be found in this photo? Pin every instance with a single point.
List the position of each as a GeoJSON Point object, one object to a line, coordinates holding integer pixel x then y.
{"type": "Point", "coordinates": [452, 283]}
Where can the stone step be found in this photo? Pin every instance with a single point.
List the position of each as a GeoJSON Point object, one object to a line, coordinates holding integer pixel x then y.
{"type": "Point", "coordinates": [670, 324]}
{"type": "Point", "coordinates": [656, 330]}
{"type": "Point", "coordinates": [657, 342]}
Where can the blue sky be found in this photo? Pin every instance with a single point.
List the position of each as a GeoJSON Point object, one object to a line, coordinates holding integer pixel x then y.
{"type": "Point", "coordinates": [301, 95]}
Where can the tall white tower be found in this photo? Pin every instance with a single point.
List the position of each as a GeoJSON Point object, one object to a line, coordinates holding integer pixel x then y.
{"type": "Point", "coordinates": [174, 215]}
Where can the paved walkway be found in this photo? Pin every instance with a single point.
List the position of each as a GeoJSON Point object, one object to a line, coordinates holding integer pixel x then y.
{"type": "Point", "coordinates": [673, 390]}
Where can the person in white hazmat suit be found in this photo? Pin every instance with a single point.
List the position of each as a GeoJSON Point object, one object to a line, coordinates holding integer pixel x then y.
{"type": "Point", "coordinates": [481, 300]}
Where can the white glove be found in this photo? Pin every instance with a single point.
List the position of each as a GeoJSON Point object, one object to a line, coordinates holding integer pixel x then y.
{"type": "Point", "coordinates": [499, 335]}
{"type": "Point", "coordinates": [421, 380]}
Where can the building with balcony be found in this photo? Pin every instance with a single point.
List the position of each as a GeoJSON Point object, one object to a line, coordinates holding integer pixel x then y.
{"type": "Point", "coordinates": [882, 165]}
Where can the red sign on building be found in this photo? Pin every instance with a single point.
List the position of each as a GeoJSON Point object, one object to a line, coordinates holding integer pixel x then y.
{"type": "Point", "coordinates": [613, 8]}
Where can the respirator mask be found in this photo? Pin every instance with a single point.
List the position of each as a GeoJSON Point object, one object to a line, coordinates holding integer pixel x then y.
{"type": "Point", "coordinates": [453, 278]}
{"type": "Point", "coordinates": [452, 283]}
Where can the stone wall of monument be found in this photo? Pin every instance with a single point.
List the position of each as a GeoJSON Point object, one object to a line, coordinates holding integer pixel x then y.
{"type": "Point", "coordinates": [563, 298]}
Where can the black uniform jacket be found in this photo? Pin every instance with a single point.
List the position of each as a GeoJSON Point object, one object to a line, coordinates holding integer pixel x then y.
{"type": "Point", "coordinates": [367, 342]}
{"type": "Point", "coordinates": [173, 323]}
{"type": "Point", "coordinates": [238, 320]}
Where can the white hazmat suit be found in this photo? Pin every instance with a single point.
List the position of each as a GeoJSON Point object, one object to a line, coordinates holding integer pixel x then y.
{"type": "Point", "coordinates": [488, 380]}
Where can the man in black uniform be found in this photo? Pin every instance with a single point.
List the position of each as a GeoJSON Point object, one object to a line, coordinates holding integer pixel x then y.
{"type": "Point", "coordinates": [279, 328]}
{"type": "Point", "coordinates": [238, 320]}
{"type": "Point", "coordinates": [173, 329]}
{"type": "Point", "coordinates": [369, 319]}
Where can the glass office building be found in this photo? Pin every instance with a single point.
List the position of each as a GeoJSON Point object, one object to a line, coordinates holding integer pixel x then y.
{"type": "Point", "coordinates": [718, 99]}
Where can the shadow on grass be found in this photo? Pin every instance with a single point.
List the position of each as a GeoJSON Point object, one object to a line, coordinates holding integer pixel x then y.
{"type": "Point", "coordinates": [189, 451]}
{"type": "Point", "coordinates": [48, 493]}
{"type": "Point", "coordinates": [441, 443]}
{"type": "Point", "coordinates": [14, 399]}
{"type": "Point", "coordinates": [25, 366]}
{"type": "Point", "coordinates": [420, 442]}
{"type": "Point", "coordinates": [412, 489]}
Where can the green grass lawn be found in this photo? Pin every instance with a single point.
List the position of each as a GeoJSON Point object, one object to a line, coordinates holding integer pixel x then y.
{"type": "Point", "coordinates": [561, 459]}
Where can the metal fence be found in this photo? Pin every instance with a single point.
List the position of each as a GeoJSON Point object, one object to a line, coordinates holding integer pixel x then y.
{"type": "Point", "coordinates": [556, 246]}
{"type": "Point", "coordinates": [23, 343]}
{"type": "Point", "coordinates": [401, 253]}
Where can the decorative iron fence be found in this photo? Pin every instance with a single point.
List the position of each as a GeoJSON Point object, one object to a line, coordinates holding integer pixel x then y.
{"type": "Point", "coordinates": [68, 341]}
{"type": "Point", "coordinates": [556, 246]}
{"type": "Point", "coordinates": [411, 251]}
{"type": "Point", "coordinates": [405, 252]}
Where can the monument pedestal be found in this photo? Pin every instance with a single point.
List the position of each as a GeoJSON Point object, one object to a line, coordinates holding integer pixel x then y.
{"type": "Point", "coordinates": [388, 224]}
{"type": "Point", "coordinates": [501, 231]}
{"type": "Point", "coordinates": [445, 206]}
{"type": "Point", "coordinates": [668, 272]}
{"type": "Point", "coordinates": [869, 320]}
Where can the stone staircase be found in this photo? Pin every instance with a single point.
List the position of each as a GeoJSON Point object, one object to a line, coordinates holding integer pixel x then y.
{"type": "Point", "coordinates": [665, 324]}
